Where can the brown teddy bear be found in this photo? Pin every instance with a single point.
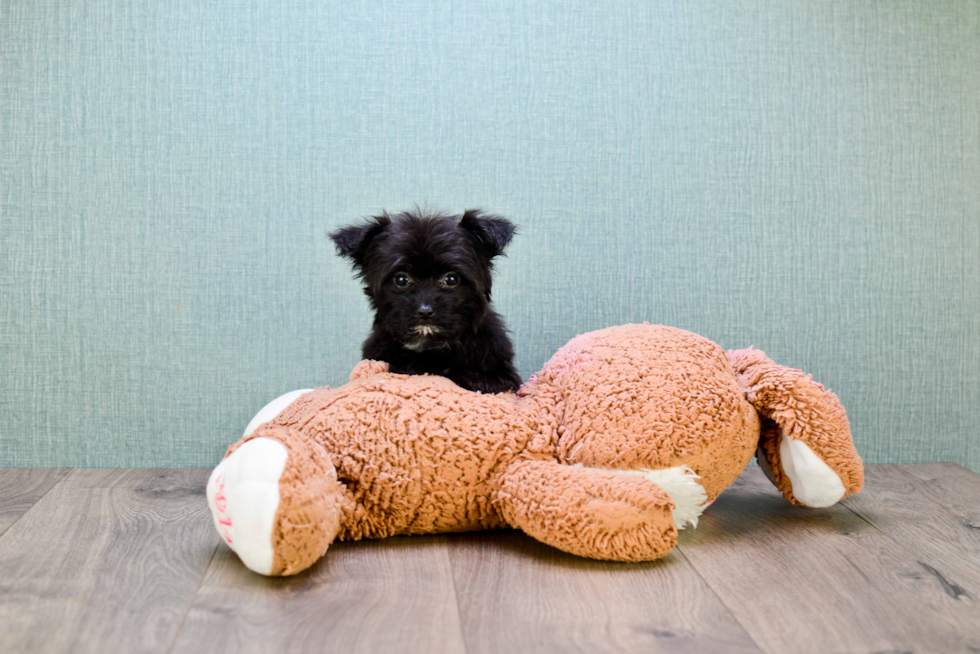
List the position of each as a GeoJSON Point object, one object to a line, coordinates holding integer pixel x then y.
{"type": "Point", "coordinates": [622, 438]}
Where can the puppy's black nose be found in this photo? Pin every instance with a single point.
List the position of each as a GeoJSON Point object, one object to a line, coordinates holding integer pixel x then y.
{"type": "Point", "coordinates": [425, 312]}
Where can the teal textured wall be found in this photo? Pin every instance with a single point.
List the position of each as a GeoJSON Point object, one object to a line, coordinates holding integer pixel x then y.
{"type": "Point", "coordinates": [799, 176]}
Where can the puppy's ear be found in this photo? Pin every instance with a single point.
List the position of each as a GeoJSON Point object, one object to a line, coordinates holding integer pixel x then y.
{"type": "Point", "coordinates": [353, 241]}
{"type": "Point", "coordinates": [490, 234]}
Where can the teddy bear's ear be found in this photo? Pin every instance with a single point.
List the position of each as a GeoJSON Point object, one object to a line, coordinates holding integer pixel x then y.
{"type": "Point", "coordinates": [490, 234]}
{"type": "Point", "coordinates": [367, 368]}
{"type": "Point", "coordinates": [353, 241]}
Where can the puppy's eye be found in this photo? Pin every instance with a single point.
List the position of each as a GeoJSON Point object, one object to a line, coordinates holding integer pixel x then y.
{"type": "Point", "coordinates": [401, 279]}
{"type": "Point", "coordinates": [451, 279]}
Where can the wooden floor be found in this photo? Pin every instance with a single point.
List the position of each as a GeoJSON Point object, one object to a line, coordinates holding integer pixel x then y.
{"type": "Point", "coordinates": [128, 561]}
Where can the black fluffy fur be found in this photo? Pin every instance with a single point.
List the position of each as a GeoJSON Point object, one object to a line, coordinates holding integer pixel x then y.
{"type": "Point", "coordinates": [430, 325]}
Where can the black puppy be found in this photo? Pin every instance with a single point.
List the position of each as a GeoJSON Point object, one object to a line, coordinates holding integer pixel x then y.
{"type": "Point", "coordinates": [428, 278]}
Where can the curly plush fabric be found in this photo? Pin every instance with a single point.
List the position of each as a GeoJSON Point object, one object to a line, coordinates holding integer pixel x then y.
{"type": "Point", "coordinates": [797, 407]}
{"type": "Point", "coordinates": [309, 515]}
{"type": "Point", "coordinates": [392, 454]}
{"type": "Point", "coordinates": [640, 396]}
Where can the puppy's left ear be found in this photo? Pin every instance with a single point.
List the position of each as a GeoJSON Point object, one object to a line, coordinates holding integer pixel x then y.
{"type": "Point", "coordinates": [353, 241]}
{"type": "Point", "coordinates": [490, 234]}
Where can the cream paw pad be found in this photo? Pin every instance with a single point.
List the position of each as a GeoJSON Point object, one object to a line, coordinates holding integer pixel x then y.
{"type": "Point", "coordinates": [243, 493]}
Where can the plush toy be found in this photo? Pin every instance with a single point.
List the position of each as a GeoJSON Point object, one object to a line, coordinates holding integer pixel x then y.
{"type": "Point", "coordinates": [622, 438]}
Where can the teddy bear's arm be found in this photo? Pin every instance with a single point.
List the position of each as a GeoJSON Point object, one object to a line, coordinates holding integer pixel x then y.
{"type": "Point", "coordinates": [590, 512]}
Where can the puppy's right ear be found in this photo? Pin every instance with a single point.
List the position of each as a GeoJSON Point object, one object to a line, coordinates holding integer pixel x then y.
{"type": "Point", "coordinates": [353, 241]}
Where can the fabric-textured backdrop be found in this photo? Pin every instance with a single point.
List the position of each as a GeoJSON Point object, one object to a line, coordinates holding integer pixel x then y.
{"type": "Point", "coordinates": [799, 176]}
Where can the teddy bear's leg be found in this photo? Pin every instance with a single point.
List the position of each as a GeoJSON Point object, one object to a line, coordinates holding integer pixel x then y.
{"type": "Point", "coordinates": [805, 447]}
{"type": "Point", "coordinates": [275, 500]}
{"type": "Point", "coordinates": [600, 514]}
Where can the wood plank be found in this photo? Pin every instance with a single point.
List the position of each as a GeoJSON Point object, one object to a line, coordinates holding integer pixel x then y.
{"type": "Point", "coordinates": [20, 488]}
{"type": "Point", "coordinates": [108, 560]}
{"type": "Point", "coordinates": [518, 595]}
{"type": "Point", "coordinates": [941, 525]}
{"type": "Point", "coordinates": [950, 484]}
{"type": "Point", "coordinates": [821, 580]}
{"type": "Point", "coordinates": [392, 595]}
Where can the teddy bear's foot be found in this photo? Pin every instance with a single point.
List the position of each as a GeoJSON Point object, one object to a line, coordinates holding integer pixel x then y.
{"type": "Point", "coordinates": [812, 482]}
{"type": "Point", "coordinates": [276, 501]}
{"type": "Point", "coordinates": [797, 471]}
{"type": "Point", "coordinates": [805, 446]}
{"type": "Point", "coordinates": [243, 493]}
